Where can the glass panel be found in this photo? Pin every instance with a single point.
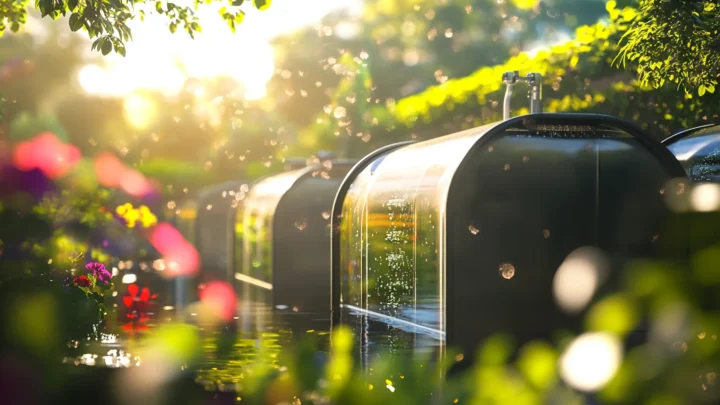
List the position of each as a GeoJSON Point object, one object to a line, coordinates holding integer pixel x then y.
{"type": "Point", "coordinates": [391, 232]}
{"type": "Point", "coordinates": [259, 208]}
{"type": "Point", "coordinates": [699, 154]}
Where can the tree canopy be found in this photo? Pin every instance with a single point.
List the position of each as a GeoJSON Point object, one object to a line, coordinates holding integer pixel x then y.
{"type": "Point", "coordinates": [674, 41]}
{"type": "Point", "coordinates": [107, 20]}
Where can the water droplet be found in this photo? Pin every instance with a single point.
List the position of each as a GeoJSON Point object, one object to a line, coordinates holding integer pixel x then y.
{"type": "Point", "coordinates": [171, 205]}
{"type": "Point", "coordinates": [506, 167]}
{"type": "Point", "coordinates": [491, 148]}
{"type": "Point", "coordinates": [209, 207]}
{"type": "Point", "coordinates": [546, 233]}
{"type": "Point", "coordinates": [301, 224]}
{"type": "Point", "coordinates": [526, 159]}
{"type": "Point", "coordinates": [473, 230]}
{"type": "Point", "coordinates": [507, 270]}
{"type": "Point", "coordinates": [326, 215]}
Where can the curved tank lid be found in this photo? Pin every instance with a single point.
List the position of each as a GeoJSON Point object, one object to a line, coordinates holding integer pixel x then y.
{"type": "Point", "coordinates": [294, 163]}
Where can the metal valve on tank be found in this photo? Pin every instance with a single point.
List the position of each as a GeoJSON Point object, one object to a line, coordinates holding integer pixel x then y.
{"type": "Point", "coordinates": [534, 80]}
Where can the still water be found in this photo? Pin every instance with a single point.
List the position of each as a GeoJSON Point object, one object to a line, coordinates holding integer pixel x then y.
{"type": "Point", "coordinates": [230, 351]}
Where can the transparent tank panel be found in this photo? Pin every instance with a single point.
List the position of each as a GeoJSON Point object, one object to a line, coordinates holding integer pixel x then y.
{"type": "Point", "coordinates": [391, 232]}
{"type": "Point", "coordinates": [699, 153]}
{"type": "Point", "coordinates": [258, 210]}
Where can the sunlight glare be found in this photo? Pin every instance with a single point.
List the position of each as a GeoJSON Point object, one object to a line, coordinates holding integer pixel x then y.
{"type": "Point", "coordinates": [139, 111]}
{"type": "Point", "coordinates": [578, 278]}
{"type": "Point", "coordinates": [159, 60]}
{"type": "Point", "coordinates": [706, 197]}
{"type": "Point", "coordinates": [591, 361]}
{"type": "Point", "coordinates": [92, 78]}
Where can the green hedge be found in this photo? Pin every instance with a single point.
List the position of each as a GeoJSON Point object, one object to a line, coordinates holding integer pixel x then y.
{"type": "Point", "coordinates": [579, 76]}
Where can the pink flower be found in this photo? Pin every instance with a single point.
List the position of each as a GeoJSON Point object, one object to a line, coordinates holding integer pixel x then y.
{"type": "Point", "coordinates": [99, 271]}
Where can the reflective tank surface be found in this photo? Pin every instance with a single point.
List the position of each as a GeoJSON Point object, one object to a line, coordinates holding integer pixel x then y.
{"type": "Point", "coordinates": [449, 241]}
{"type": "Point", "coordinates": [282, 239]}
{"type": "Point", "coordinates": [212, 239]}
{"type": "Point", "coordinates": [202, 220]}
{"type": "Point", "coordinates": [698, 149]}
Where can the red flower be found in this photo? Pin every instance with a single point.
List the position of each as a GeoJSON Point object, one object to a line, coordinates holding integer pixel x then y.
{"type": "Point", "coordinates": [82, 281]}
{"type": "Point", "coordinates": [137, 305]}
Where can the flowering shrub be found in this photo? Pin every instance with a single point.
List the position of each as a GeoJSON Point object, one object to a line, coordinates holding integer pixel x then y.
{"type": "Point", "coordinates": [91, 302]}
{"type": "Point", "coordinates": [132, 215]}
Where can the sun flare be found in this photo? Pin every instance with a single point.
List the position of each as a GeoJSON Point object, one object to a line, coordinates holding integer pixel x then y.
{"type": "Point", "coordinates": [161, 61]}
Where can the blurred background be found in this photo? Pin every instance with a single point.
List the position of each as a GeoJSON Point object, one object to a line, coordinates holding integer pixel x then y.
{"type": "Point", "coordinates": [98, 150]}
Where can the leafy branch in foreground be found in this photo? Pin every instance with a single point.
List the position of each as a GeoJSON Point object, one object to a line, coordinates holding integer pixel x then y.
{"type": "Point", "coordinates": [107, 20]}
{"type": "Point", "coordinates": [676, 42]}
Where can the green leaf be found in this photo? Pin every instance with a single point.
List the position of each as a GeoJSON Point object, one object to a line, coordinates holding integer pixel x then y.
{"type": "Point", "coordinates": [72, 4]}
{"type": "Point", "coordinates": [120, 48]}
{"type": "Point", "coordinates": [237, 3]}
{"type": "Point", "coordinates": [96, 44]}
{"type": "Point", "coordinates": [159, 7]}
{"type": "Point", "coordinates": [701, 90]}
{"type": "Point", "coordinates": [239, 17]}
{"type": "Point", "coordinates": [710, 88]}
{"type": "Point", "coordinates": [574, 61]}
{"type": "Point", "coordinates": [262, 4]}
{"type": "Point", "coordinates": [173, 27]}
{"type": "Point", "coordinates": [231, 23]}
{"type": "Point", "coordinates": [106, 47]}
{"type": "Point", "coordinates": [76, 22]}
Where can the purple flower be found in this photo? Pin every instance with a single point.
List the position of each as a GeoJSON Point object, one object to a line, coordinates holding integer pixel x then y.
{"type": "Point", "coordinates": [99, 271]}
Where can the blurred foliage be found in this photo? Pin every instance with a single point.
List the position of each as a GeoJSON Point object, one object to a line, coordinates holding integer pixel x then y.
{"type": "Point", "coordinates": [676, 42]}
{"type": "Point", "coordinates": [35, 73]}
{"type": "Point", "coordinates": [673, 360]}
{"type": "Point", "coordinates": [578, 76]}
{"type": "Point", "coordinates": [26, 126]}
{"type": "Point", "coordinates": [344, 124]}
{"type": "Point", "coordinates": [107, 21]}
{"type": "Point", "coordinates": [409, 45]}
